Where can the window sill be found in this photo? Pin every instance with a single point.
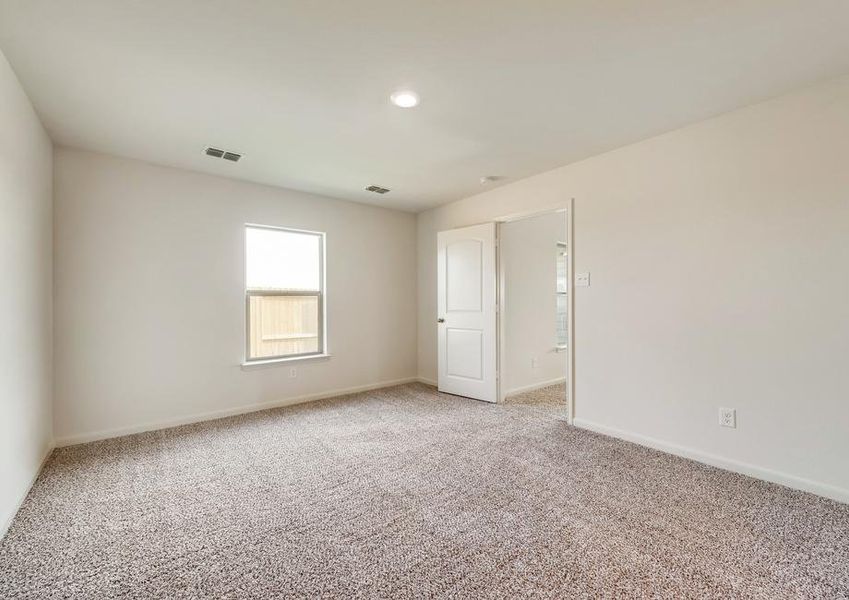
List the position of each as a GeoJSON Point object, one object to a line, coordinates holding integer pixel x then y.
{"type": "Point", "coordinates": [273, 361]}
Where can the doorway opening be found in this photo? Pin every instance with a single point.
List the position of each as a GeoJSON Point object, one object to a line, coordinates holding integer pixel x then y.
{"type": "Point", "coordinates": [505, 311]}
{"type": "Point", "coordinates": [535, 305]}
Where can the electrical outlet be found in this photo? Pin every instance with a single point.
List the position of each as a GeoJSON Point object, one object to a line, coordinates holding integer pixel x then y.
{"type": "Point", "coordinates": [534, 362]}
{"type": "Point", "coordinates": [728, 417]}
{"type": "Point", "coordinates": [293, 372]}
{"type": "Point", "coordinates": [582, 280]}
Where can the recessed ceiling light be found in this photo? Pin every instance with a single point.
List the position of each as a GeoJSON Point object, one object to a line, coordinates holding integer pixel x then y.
{"type": "Point", "coordinates": [404, 99]}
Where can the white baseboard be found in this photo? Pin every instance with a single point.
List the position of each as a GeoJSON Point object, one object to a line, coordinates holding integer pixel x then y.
{"type": "Point", "coordinates": [427, 381]}
{"type": "Point", "coordinates": [82, 438]}
{"type": "Point", "coordinates": [534, 386]}
{"type": "Point", "coordinates": [799, 483]}
{"type": "Point", "coordinates": [4, 527]}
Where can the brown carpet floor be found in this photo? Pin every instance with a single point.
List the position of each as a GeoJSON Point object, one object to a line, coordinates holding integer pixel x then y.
{"type": "Point", "coordinates": [404, 493]}
{"type": "Point", "coordinates": [549, 400]}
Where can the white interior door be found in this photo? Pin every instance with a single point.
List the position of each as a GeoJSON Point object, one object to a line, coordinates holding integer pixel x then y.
{"type": "Point", "coordinates": [466, 312]}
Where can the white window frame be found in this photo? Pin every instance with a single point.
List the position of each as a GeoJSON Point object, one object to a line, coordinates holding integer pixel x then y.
{"type": "Point", "coordinates": [321, 295]}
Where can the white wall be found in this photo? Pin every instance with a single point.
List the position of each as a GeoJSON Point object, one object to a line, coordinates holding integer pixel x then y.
{"type": "Point", "coordinates": [150, 295]}
{"type": "Point", "coordinates": [26, 233]}
{"type": "Point", "coordinates": [529, 263]}
{"type": "Point", "coordinates": [720, 277]}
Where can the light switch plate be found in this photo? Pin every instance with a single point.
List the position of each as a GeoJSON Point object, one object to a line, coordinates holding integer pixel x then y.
{"type": "Point", "coordinates": [582, 280]}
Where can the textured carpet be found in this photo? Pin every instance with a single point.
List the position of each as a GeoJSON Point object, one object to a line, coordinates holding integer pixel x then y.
{"type": "Point", "coordinates": [549, 400]}
{"type": "Point", "coordinates": [404, 493]}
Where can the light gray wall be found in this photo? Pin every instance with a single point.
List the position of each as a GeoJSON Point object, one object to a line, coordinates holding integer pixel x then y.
{"type": "Point", "coordinates": [528, 256]}
{"type": "Point", "coordinates": [26, 207]}
{"type": "Point", "coordinates": [150, 295]}
{"type": "Point", "coordinates": [720, 275]}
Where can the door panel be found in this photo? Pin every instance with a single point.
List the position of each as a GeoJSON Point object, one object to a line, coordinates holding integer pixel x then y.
{"type": "Point", "coordinates": [466, 305]}
{"type": "Point", "coordinates": [463, 353]}
{"type": "Point", "coordinates": [463, 268]}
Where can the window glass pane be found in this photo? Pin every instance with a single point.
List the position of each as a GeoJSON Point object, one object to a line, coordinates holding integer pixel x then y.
{"type": "Point", "coordinates": [561, 288]}
{"type": "Point", "coordinates": [562, 324]}
{"type": "Point", "coordinates": [561, 269]}
{"type": "Point", "coordinates": [283, 325]}
{"type": "Point", "coordinates": [282, 260]}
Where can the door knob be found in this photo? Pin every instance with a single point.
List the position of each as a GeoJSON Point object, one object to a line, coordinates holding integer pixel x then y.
{"type": "Point", "coordinates": [440, 320]}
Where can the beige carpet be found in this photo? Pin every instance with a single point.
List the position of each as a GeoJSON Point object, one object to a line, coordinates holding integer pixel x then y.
{"type": "Point", "coordinates": [549, 401]}
{"type": "Point", "coordinates": [406, 493]}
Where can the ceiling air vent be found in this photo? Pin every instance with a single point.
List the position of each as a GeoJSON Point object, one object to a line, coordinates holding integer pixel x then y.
{"type": "Point", "coordinates": [376, 189]}
{"type": "Point", "coordinates": [225, 154]}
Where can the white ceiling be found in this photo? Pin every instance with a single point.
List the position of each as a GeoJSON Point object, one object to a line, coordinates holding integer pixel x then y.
{"type": "Point", "coordinates": [301, 88]}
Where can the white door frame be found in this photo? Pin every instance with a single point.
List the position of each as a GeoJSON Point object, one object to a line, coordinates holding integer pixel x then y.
{"type": "Point", "coordinates": [568, 208]}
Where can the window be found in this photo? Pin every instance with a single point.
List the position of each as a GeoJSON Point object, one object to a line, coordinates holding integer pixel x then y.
{"type": "Point", "coordinates": [561, 289]}
{"type": "Point", "coordinates": [284, 293]}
